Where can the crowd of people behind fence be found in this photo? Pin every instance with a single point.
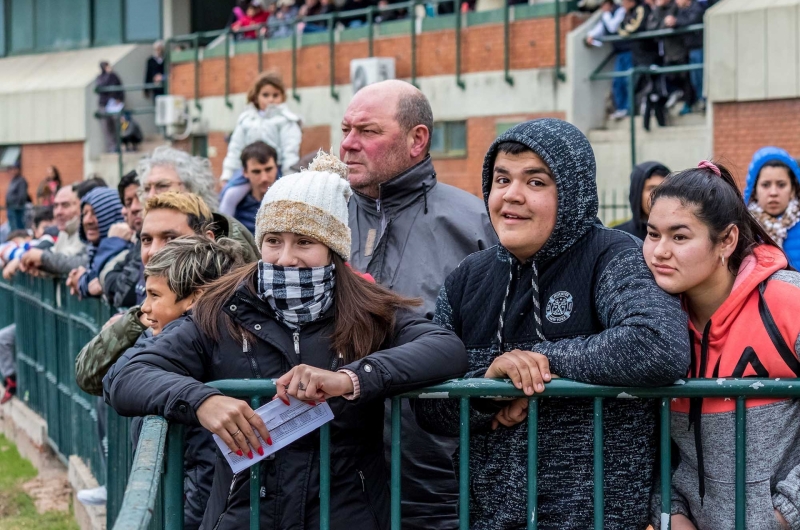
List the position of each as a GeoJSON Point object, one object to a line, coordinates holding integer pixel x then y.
{"type": "Point", "coordinates": [354, 278]}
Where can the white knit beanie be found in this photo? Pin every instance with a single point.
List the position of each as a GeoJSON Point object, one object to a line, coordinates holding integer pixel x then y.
{"type": "Point", "coordinates": [310, 203]}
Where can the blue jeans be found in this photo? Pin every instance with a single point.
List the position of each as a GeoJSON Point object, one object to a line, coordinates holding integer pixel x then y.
{"type": "Point", "coordinates": [619, 88]}
{"type": "Point", "coordinates": [696, 76]}
{"type": "Point", "coordinates": [16, 218]}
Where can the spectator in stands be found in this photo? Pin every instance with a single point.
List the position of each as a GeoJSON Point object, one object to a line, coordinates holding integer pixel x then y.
{"type": "Point", "coordinates": [560, 295]}
{"type": "Point", "coordinates": [611, 18]}
{"type": "Point", "coordinates": [17, 198]}
{"type": "Point", "coordinates": [684, 49]}
{"type": "Point", "coordinates": [69, 252]}
{"type": "Point", "coordinates": [645, 177]}
{"type": "Point", "coordinates": [354, 21]}
{"type": "Point", "coordinates": [174, 278]}
{"type": "Point", "coordinates": [169, 169]}
{"type": "Point", "coordinates": [399, 214]}
{"type": "Point", "coordinates": [92, 181]}
{"type": "Point", "coordinates": [259, 161]}
{"type": "Point", "coordinates": [636, 13]}
{"type": "Point", "coordinates": [313, 8]}
{"type": "Point", "coordinates": [302, 227]}
{"type": "Point", "coordinates": [742, 298]}
{"type": "Point", "coordinates": [253, 15]}
{"type": "Point", "coordinates": [130, 134]}
{"type": "Point", "coordinates": [124, 284]}
{"type": "Point", "coordinates": [772, 195]}
{"type": "Point", "coordinates": [280, 24]}
{"type": "Point", "coordinates": [656, 90]}
{"type": "Point", "coordinates": [154, 72]}
{"type": "Point", "coordinates": [267, 118]}
{"type": "Point", "coordinates": [109, 102]}
{"type": "Point", "coordinates": [100, 208]}
{"type": "Point", "coordinates": [46, 192]}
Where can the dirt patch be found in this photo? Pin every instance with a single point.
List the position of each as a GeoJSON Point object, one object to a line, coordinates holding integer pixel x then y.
{"type": "Point", "coordinates": [49, 494]}
{"type": "Point", "coordinates": [9, 507]}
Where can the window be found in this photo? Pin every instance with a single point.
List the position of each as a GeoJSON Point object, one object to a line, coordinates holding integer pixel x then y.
{"type": "Point", "coordinates": [9, 155]}
{"type": "Point", "coordinates": [142, 20]}
{"type": "Point", "coordinates": [502, 127]}
{"type": "Point", "coordinates": [449, 139]}
{"type": "Point", "coordinates": [108, 22]}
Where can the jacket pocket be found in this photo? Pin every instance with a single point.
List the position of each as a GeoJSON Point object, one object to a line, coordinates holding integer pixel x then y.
{"type": "Point", "coordinates": [362, 484]}
{"type": "Point", "coordinates": [227, 502]}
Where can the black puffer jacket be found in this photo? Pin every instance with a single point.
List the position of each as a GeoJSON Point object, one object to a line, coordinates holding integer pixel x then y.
{"type": "Point", "coordinates": [171, 367]}
{"type": "Point", "coordinates": [637, 225]}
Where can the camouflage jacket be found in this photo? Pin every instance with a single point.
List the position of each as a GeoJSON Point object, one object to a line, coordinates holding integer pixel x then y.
{"type": "Point", "coordinates": [105, 348]}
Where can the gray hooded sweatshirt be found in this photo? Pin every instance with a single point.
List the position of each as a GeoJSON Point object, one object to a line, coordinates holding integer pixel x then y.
{"type": "Point", "coordinates": [588, 302]}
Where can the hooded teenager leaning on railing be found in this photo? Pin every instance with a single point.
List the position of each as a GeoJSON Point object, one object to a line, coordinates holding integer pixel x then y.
{"type": "Point", "coordinates": [303, 316]}
{"type": "Point", "coordinates": [743, 301]}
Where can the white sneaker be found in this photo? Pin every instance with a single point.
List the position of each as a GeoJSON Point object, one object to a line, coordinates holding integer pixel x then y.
{"type": "Point", "coordinates": [619, 114]}
{"type": "Point", "coordinates": [93, 497]}
{"type": "Point", "coordinates": [674, 98]}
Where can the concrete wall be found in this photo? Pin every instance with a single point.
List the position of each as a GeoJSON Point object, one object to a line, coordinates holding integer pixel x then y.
{"type": "Point", "coordinates": [586, 98]}
{"type": "Point", "coordinates": [177, 17]}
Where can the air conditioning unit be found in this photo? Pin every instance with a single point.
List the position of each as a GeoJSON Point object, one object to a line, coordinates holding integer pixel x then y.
{"type": "Point", "coordinates": [170, 110]}
{"type": "Point", "coordinates": [364, 72]}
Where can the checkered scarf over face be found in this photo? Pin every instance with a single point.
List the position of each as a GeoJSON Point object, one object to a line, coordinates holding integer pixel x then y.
{"type": "Point", "coordinates": [298, 295]}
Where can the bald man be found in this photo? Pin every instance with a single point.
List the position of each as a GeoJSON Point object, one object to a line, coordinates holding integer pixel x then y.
{"type": "Point", "coordinates": [409, 233]}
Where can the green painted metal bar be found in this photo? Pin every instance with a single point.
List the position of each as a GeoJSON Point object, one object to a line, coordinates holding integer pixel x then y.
{"type": "Point", "coordinates": [173, 486]}
{"type": "Point", "coordinates": [457, 10]}
{"type": "Point", "coordinates": [646, 70]}
{"type": "Point", "coordinates": [413, 18]}
{"type": "Point", "coordinates": [599, 70]}
{"type": "Point", "coordinates": [167, 64]}
{"type": "Point", "coordinates": [295, 95]}
{"type": "Point", "coordinates": [666, 465]}
{"type": "Point", "coordinates": [325, 477]}
{"type": "Point", "coordinates": [127, 88]}
{"type": "Point", "coordinates": [557, 18]}
{"type": "Point", "coordinates": [260, 51]}
{"type": "Point", "coordinates": [140, 495]}
{"type": "Point", "coordinates": [463, 466]}
{"type": "Point", "coordinates": [632, 114]}
{"type": "Point", "coordinates": [371, 31]}
{"type": "Point", "coordinates": [228, 70]}
{"type": "Point", "coordinates": [654, 34]}
{"type": "Point", "coordinates": [255, 483]}
{"type": "Point", "coordinates": [741, 461]}
{"type": "Point", "coordinates": [598, 463]}
{"type": "Point", "coordinates": [332, 54]}
{"type": "Point", "coordinates": [396, 463]}
{"type": "Point", "coordinates": [533, 463]}
{"type": "Point", "coordinates": [507, 43]}
{"type": "Point", "coordinates": [197, 104]}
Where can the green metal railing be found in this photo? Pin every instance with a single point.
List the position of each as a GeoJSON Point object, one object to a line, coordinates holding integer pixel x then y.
{"type": "Point", "coordinates": [52, 327]}
{"type": "Point", "coordinates": [330, 20]}
{"type": "Point", "coordinates": [632, 73]}
{"type": "Point", "coordinates": [465, 390]}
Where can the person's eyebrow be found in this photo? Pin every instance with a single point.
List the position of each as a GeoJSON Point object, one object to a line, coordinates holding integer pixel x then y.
{"type": "Point", "coordinates": [170, 233]}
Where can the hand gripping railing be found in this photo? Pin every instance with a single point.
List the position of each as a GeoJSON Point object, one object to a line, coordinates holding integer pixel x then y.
{"type": "Point", "coordinates": [147, 471]}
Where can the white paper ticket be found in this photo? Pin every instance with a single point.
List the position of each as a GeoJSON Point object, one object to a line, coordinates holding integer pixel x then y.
{"type": "Point", "coordinates": [286, 423]}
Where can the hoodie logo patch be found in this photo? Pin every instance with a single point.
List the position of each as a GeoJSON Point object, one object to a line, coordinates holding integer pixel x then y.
{"type": "Point", "coordinates": [559, 307]}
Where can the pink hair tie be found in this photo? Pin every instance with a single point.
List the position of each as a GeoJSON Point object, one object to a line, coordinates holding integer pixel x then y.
{"type": "Point", "coordinates": [705, 164]}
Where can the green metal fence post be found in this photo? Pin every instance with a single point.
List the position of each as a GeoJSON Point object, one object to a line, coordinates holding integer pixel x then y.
{"type": "Point", "coordinates": [325, 477]}
{"type": "Point", "coordinates": [413, 18]}
{"type": "Point", "coordinates": [255, 483]}
{"type": "Point", "coordinates": [559, 74]}
{"type": "Point", "coordinates": [167, 64]}
{"type": "Point", "coordinates": [228, 70]}
{"type": "Point", "coordinates": [598, 463]}
{"type": "Point", "coordinates": [332, 54]}
{"type": "Point", "coordinates": [463, 466]}
{"type": "Point", "coordinates": [533, 463]}
{"type": "Point", "coordinates": [260, 38]}
{"type": "Point", "coordinates": [396, 461]}
{"type": "Point", "coordinates": [741, 460]}
{"type": "Point", "coordinates": [173, 490]}
{"type": "Point", "coordinates": [295, 95]}
{"type": "Point", "coordinates": [666, 465]}
{"type": "Point", "coordinates": [197, 104]}
{"type": "Point", "coordinates": [371, 31]}
{"type": "Point", "coordinates": [457, 10]}
{"type": "Point", "coordinates": [632, 113]}
{"type": "Point", "coordinates": [507, 43]}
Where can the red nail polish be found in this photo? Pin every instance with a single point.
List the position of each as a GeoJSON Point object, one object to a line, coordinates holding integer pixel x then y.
{"type": "Point", "coordinates": [286, 402]}
{"type": "Point", "coordinates": [269, 440]}
{"type": "Point", "coordinates": [250, 455]}
{"type": "Point", "coordinates": [239, 452]}
{"type": "Point", "coordinates": [261, 451]}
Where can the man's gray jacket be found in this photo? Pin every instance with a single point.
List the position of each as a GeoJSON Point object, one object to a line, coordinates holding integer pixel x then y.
{"type": "Point", "coordinates": [409, 240]}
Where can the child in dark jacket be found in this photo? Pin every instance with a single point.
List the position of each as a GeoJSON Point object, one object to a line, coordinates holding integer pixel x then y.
{"type": "Point", "coordinates": [560, 295]}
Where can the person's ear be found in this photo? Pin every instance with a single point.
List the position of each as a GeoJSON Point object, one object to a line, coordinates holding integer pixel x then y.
{"type": "Point", "coordinates": [418, 140]}
{"type": "Point", "coordinates": [210, 235]}
{"type": "Point", "coordinates": [729, 241]}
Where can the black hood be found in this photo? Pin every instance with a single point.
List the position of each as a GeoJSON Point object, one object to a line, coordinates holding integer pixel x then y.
{"type": "Point", "coordinates": [570, 157]}
{"type": "Point", "coordinates": [639, 176]}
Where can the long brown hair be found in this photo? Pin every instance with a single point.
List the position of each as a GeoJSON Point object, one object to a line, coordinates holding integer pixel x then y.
{"type": "Point", "coordinates": [363, 319]}
{"type": "Point", "coordinates": [267, 78]}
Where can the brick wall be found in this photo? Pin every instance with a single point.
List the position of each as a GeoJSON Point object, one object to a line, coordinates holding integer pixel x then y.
{"type": "Point", "coordinates": [742, 128]}
{"type": "Point", "coordinates": [465, 172]}
{"type": "Point", "coordinates": [532, 46]}
{"type": "Point", "coordinates": [67, 157]}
